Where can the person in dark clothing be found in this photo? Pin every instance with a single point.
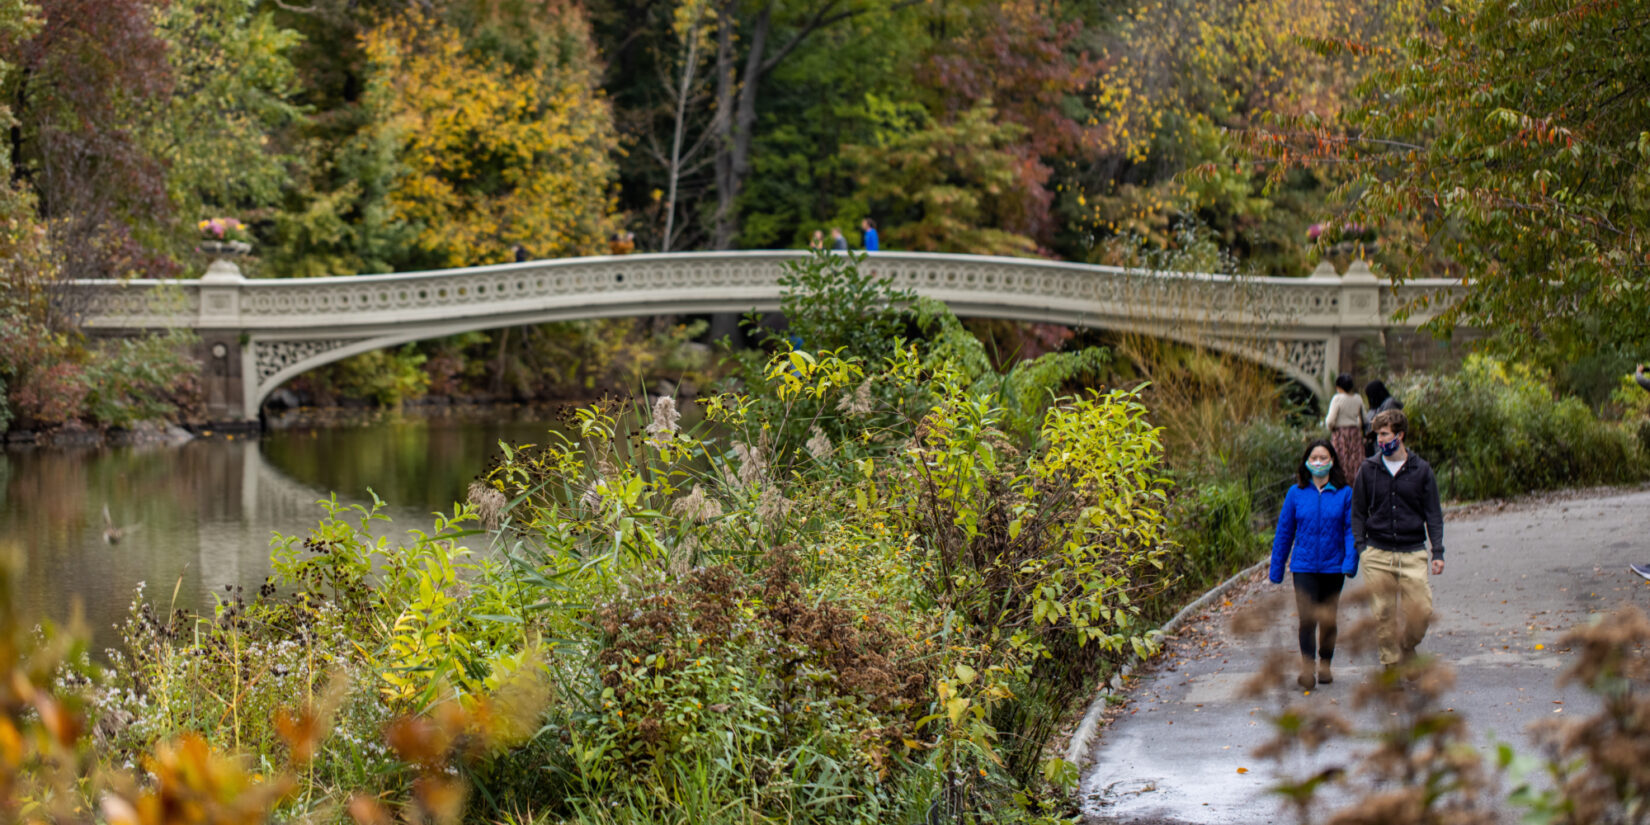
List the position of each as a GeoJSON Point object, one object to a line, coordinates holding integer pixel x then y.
{"type": "Point", "coordinates": [520, 252]}
{"type": "Point", "coordinates": [838, 242]}
{"type": "Point", "coordinates": [1314, 540]}
{"type": "Point", "coordinates": [1380, 400]}
{"type": "Point", "coordinates": [1395, 513]}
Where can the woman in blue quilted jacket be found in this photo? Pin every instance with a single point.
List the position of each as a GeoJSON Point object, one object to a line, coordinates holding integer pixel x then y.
{"type": "Point", "coordinates": [1314, 540]}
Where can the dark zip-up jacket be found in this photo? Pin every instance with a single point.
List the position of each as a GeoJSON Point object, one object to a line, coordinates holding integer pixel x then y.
{"type": "Point", "coordinates": [1397, 512]}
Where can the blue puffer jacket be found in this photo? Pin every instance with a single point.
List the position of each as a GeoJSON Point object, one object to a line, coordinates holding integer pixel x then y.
{"type": "Point", "coordinates": [1317, 526]}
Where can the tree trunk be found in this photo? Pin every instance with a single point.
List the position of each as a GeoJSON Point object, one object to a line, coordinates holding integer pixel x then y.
{"type": "Point", "coordinates": [733, 161]}
{"type": "Point", "coordinates": [727, 87]}
{"type": "Point", "coordinates": [17, 162]}
{"type": "Point", "coordinates": [674, 172]}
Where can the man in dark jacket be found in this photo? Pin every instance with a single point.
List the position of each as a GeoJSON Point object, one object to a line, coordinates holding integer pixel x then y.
{"type": "Point", "coordinates": [1395, 513]}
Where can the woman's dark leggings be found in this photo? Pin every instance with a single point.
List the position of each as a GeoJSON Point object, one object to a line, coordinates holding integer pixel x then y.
{"type": "Point", "coordinates": [1318, 599]}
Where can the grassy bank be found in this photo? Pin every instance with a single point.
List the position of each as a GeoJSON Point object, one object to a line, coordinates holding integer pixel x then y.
{"type": "Point", "coordinates": [866, 589]}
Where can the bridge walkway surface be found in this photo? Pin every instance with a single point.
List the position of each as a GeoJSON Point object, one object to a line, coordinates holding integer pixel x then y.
{"type": "Point", "coordinates": [1519, 575]}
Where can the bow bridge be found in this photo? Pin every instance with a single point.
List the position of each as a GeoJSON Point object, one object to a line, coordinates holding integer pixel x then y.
{"type": "Point", "coordinates": [258, 333]}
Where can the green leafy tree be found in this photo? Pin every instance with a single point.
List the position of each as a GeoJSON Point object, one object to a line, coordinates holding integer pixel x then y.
{"type": "Point", "coordinates": [821, 105]}
{"type": "Point", "coordinates": [218, 132]}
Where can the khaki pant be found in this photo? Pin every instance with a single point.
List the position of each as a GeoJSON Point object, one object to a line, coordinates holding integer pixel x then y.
{"type": "Point", "coordinates": [1400, 597]}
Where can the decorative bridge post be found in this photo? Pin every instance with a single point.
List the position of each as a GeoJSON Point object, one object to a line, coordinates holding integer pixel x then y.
{"type": "Point", "coordinates": [223, 367]}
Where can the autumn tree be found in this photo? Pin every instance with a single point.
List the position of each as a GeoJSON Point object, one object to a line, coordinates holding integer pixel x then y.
{"type": "Point", "coordinates": [79, 78]}
{"type": "Point", "coordinates": [1515, 134]}
{"type": "Point", "coordinates": [948, 184]}
{"type": "Point", "coordinates": [1177, 76]}
{"type": "Point", "coordinates": [500, 142]}
{"type": "Point", "coordinates": [1032, 64]}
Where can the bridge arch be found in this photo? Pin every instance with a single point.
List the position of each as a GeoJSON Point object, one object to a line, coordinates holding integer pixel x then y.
{"type": "Point", "coordinates": [1276, 358]}
{"type": "Point", "coordinates": [268, 331]}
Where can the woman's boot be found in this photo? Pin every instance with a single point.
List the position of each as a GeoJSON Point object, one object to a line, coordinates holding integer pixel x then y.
{"type": "Point", "coordinates": [1324, 676]}
{"type": "Point", "coordinates": [1305, 680]}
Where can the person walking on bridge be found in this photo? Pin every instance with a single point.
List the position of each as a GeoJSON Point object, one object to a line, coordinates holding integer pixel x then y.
{"type": "Point", "coordinates": [1314, 540]}
{"type": "Point", "coordinates": [869, 228]}
{"type": "Point", "coordinates": [1395, 513]}
{"type": "Point", "coordinates": [1345, 422]}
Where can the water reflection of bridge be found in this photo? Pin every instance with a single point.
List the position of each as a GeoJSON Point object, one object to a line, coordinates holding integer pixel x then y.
{"type": "Point", "coordinates": [269, 494]}
{"type": "Point", "coordinates": [267, 501]}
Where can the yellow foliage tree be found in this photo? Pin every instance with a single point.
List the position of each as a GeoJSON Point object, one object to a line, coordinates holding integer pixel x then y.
{"type": "Point", "coordinates": [495, 152]}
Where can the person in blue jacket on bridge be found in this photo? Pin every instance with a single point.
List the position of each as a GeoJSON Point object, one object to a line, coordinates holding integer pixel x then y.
{"type": "Point", "coordinates": [1314, 540]}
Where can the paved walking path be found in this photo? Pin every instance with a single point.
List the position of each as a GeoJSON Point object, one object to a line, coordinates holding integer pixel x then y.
{"type": "Point", "coordinates": [1518, 577]}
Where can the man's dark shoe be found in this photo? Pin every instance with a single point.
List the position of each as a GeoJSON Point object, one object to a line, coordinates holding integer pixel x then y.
{"type": "Point", "coordinates": [1642, 569]}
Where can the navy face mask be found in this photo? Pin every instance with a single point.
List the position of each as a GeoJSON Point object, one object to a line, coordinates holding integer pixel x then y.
{"type": "Point", "coordinates": [1391, 447]}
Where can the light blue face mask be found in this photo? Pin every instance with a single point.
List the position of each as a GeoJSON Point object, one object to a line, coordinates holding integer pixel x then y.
{"type": "Point", "coordinates": [1319, 470]}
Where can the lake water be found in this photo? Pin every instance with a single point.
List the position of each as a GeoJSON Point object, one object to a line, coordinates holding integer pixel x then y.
{"type": "Point", "coordinates": [200, 516]}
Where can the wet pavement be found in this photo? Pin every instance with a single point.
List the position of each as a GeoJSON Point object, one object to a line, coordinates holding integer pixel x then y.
{"type": "Point", "coordinates": [1180, 750]}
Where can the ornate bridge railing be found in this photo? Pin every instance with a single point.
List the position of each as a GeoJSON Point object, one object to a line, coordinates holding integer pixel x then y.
{"type": "Point", "coordinates": [256, 334]}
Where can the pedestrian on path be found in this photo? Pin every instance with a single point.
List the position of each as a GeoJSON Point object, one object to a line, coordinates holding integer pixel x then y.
{"type": "Point", "coordinates": [872, 242]}
{"type": "Point", "coordinates": [817, 242]}
{"type": "Point", "coordinates": [1314, 540]}
{"type": "Point", "coordinates": [1644, 381]}
{"type": "Point", "coordinates": [1395, 513]}
{"type": "Point", "coordinates": [1380, 400]}
{"type": "Point", "coordinates": [838, 243]}
{"type": "Point", "coordinates": [1345, 422]}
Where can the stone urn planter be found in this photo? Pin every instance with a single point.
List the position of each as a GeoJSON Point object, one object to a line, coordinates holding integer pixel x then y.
{"type": "Point", "coordinates": [225, 249]}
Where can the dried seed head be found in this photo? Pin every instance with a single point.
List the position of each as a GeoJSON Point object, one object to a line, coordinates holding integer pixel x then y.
{"type": "Point", "coordinates": [772, 506]}
{"type": "Point", "coordinates": [819, 446]}
{"type": "Point", "coordinates": [662, 429]}
{"type": "Point", "coordinates": [697, 506]}
{"type": "Point", "coordinates": [860, 402]}
{"type": "Point", "coordinates": [489, 502]}
{"type": "Point", "coordinates": [753, 466]}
